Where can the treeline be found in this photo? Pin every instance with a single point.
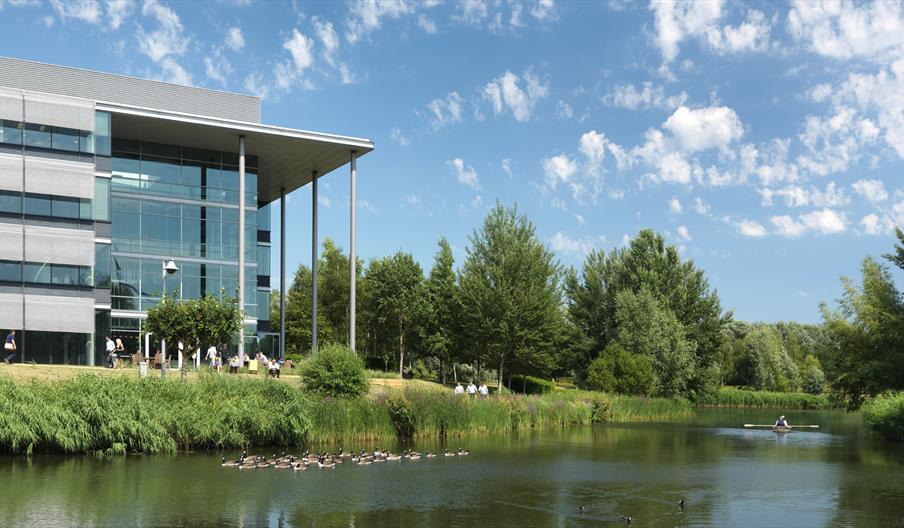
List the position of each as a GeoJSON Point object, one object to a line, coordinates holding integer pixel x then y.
{"type": "Point", "coordinates": [637, 320]}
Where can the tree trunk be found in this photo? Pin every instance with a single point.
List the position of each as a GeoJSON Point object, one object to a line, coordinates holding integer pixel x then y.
{"type": "Point", "coordinates": [454, 373]}
{"type": "Point", "coordinates": [442, 372]}
{"type": "Point", "coordinates": [501, 361]}
{"type": "Point", "coordinates": [523, 384]}
{"type": "Point", "coordinates": [401, 348]}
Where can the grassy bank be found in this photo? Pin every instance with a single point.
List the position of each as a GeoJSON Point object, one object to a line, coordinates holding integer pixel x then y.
{"type": "Point", "coordinates": [885, 415]}
{"type": "Point", "coordinates": [731, 397]}
{"type": "Point", "coordinates": [633, 409]}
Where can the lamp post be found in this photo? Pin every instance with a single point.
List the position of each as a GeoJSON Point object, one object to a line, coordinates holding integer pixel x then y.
{"type": "Point", "coordinates": [169, 268]}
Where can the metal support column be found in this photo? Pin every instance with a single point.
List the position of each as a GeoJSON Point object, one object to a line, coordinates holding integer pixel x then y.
{"type": "Point", "coordinates": [242, 246]}
{"type": "Point", "coordinates": [353, 262]}
{"type": "Point", "coordinates": [282, 274]}
{"type": "Point", "coordinates": [314, 255]}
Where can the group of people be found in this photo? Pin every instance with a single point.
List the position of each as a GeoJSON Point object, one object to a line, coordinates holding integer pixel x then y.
{"type": "Point", "coordinates": [473, 390]}
{"type": "Point", "coordinates": [115, 349]}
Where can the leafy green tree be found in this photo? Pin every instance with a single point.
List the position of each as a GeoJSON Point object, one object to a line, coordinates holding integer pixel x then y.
{"type": "Point", "coordinates": [813, 380]}
{"type": "Point", "coordinates": [298, 315]}
{"type": "Point", "coordinates": [678, 286]}
{"type": "Point", "coordinates": [766, 363]}
{"type": "Point", "coordinates": [897, 258]}
{"type": "Point", "coordinates": [647, 328]}
{"type": "Point", "coordinates": [335, 371]}
{"type": "Point", "coordinates": [396, 290]}
{"type": "Point", "coordinates": [867, 334]}
{"type": "Point", "coordinates": [438, 315]}
{"type": "Point", "coordinates": [510, 298]}
{"type": "Point", "coordinates": [332, 289]}
{"type": "Point", "coordinates": [195, 322]}
{"type": "Point", "coordinates": [617, 370]}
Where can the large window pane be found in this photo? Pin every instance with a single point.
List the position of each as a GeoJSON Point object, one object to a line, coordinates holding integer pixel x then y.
{"type": "Point", "coordinates": [10, 202]}
{"type": "Point", "coordinates": [263, 305]}
{"type": "Point", "coordinates": [38, 205]}
{"type": "Point", "coordinates": [37, 135]}
{"type": "Point", "coordinates": [263, 218]}
{"type": "Point", "coordinates": [102, 265]}
{"type": "Point", "coordinates": [64, 207]}
{"type": "Point", "coordinates": [11, 132]}
{"type": "Point", "coordinates": [86, 142]}
{"type": "Point", "coordinates": [102, 199]}
{"type": "Point", "coordinates": [37, 273]}
{"type": "Point", "coordinates": [102, 128]}
{"type": "Point", "coordinates": [64, 275]}
{"type": "Point", "coordinates": [64, 139]}
{"type": "Point", "coordinates": [11, 271]}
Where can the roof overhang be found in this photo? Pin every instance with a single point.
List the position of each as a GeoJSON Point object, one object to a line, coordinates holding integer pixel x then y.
{"type": "Point", "coordinates": [287, 158]}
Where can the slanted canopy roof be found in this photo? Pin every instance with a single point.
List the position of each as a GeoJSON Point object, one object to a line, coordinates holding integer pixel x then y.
{"type": "Point", "coordinates": [286, 157]}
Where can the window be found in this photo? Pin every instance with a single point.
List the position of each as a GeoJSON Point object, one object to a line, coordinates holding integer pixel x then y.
{"type": "Point", "coordinates": [11, 272]}
{"type": "Point", "coordinates": [11, 132]}
{"type": "Point", "coordinates": [64, 207]}
{"type": "Point", "coordinates": [102, 199]}
{"type": "Point", "coordinates": [37, 205]}
{"type": "Point", "coordinates": [86, 142]}
{"type": "Point", "coordinates": [64, 275]}
{"type": "Point", "coordinates": [10, 202]}
{"type": "Point", "coordinates": [38, 136]}
{"type": "Point", "coordinates": [37, 273]}
{"type": "Point", "coordinates": [64, 139]}
{"type": "Point", "coordinates": [102, 265]}
{"type": "Point", "coordinates": [102, 131]}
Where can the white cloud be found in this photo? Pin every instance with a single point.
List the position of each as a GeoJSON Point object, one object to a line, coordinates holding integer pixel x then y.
{"type": "Point", "coordinates": [83, 10]}
{"type": "Point", "coordinates": [167, 39]}
{"type": "Point", "coordinates": [562, 243]}
{"type": "Point", "coordinates": [847, 30]}
{"type": "Point", "coordinates": [616, 194]}
{"type": "Point", "coordinates": [398, 137]}
{"type": "Point", "coordinates": [234, 39]}
{"type": "Point", "coordinates": [290, 72]}
{"type": "Point", "coordinates": [797, 196]}
{"type": "Point", "coordinates": [704, 128]}
{"type": "Point", "coordinates": [581, 220]}
{"type": "Point", "coordinates": [751, 35]}
{"type": "Point", "coordinates": [787, 226]}
{"type": "Point", "coordinates": [675, 206]}
{"type": "Point", "coordinates": [872, 225]}
{"type": "Point", "coordinates": [564, 110]}
{"type": "Point", "coordinates": [218, 68]}
{"type": "Point", "coordinates": [476, 201]}
{"type": "Point", "coordinates": [507, 166]}
{"type": "Point", "coordinates": [881, 94]}
{"type": "Point", "coordinates": [425, 23]}
{"type": "Point", "coordinates": [328, 39]}
{"type": "Point", "coordinates": [684, 234]}
{"type": "Point", "coordinates": [324, 201]}
{"type": "Point", "coordinates": [680, 20]}
{"type": "Point", "coordinates": [254, 84]}
{"type": "Point", "coordinates": [464, 175]}
{"type": "Point", "coordinates": [544, 10]}
{"type": "Point", "coordinates": [412, 199]}
{"type": "Point", "coordinates": [872, 190]}
{"type": "Point", "coordinates": [558, 169]}
{"type": "Point", "coordinates": [593, 146]}
{"type": "Point", "coordinates": [509, 93]}
{"type": "Point", "coordinates": [701, 207]}
{"type": "Point", "coordinates": [173, 72]}
{"type": "Point", "coordinates": [825, 221]}
{"type": "Point", "coordinates": [750, 228]}
{"type": "Point", "coordinates": [820, 92]}
{"type": "Point", "coordinates": [365, 205]}
{"type": "Point", "coordinates": [445, 111]}
{"type": "Point", "coordinates": [471, 11]}
{"type": "Point", "coordinates": [118, 11]}
{"type": "Point", "coordinates": [366, 16]}
{"type": "Point", "coordinates": [627, 96]}
{"type": "Point", "coordinates": [673, 168]}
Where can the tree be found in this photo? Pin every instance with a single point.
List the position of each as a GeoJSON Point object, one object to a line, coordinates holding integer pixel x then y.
{"type": "Point", "coordinates": [298, 315]}
{"type": "Point", "coordinates": [337, 372]}
{"type": "Point", "coordinates": [867, 335]}
{"type": "Point", "coordinates": [813, 380]}
{"type": "Point", "coordinates": [647, 328]}
{"type": "Point", "coordinates": [195, 322]}
{"type": "Point", "coordinates": [438, 314]}
{"type": "Point", "coordinates": [678, 286]}
{"type": "Point", "coordinates": [766, 364]}
{"type": "Point", "coordinates": [333, 291]}
{"type": "Point", "coordinates": [396, 291]}
{"type": "Point", "coordinates": [617, 370]}
{"type": "Point", "coordinates": [509, 291]}
{"type": "Point", "coordinates": [897, 258]}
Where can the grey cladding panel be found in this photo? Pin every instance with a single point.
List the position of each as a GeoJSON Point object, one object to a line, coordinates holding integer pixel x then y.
{"type": "Point", "coordinates": [10, 311]}
{"type": "Point", "coordinates": [98, 86]}
{"type": "Point", "coordinates": [59, 245]}
{"type": "Point", "coordinates": [59, 110]}
{"type": "Point", "coordinates": [10, 104]}
{"type": "Point", "coordinates": [10, 172]}
{"type": "Point", "coordinates": [11, 240]}
{"type": "Point", "coordinates": [58, 177]}
{"type": "Point", "coordinates": [50, 313]}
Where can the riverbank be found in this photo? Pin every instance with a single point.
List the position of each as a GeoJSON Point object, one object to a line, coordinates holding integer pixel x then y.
{"type": "Point", "coordinates": [885, 415]}
{"type": "Point", "coordinates": [732, 397]}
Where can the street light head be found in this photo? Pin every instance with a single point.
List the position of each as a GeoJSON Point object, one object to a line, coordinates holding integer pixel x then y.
{"type": "Point", "coordinates": [169, 266]}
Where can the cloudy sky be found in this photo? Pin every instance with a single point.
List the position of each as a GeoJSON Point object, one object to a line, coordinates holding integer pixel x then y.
{"type": "Point", "coordinates": [764, 139]}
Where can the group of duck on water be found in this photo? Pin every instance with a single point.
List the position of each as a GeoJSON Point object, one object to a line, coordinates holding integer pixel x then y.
{"type": "Point", "coordinates": [329, 460]}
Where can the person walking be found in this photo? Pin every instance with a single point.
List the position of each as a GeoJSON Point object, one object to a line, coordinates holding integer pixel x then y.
{"type": "Point", "coordinates": [111, 353]}
{"type": "Point", "coordinates": [10, 347]}
{"type": "Point", "coordinates": [472, 389]}
{"type": "Point", "coordinates": [212, 356]}
{"type": "Point", "coordinates": [483, 389]}
{"type": "Point", "coordinates": [459, 389]}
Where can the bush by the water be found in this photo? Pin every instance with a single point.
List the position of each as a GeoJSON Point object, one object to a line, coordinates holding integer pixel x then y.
{"type": "Point", "coordinates": [336, 371]}
{"type": "Point", "coordinates": [91, 413]}
{"type": "Point", "coordinates": [732, 397]}
{"type": "Point", "coordinates": [532, 385]}
{"type": "Point", "coordinates": [617, 370]}
{"type": "Point", "coordinates": [885, 415]}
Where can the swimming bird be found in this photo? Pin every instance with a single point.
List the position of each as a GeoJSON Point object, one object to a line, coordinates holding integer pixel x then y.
{"type": "Point", "coordinates": [393, 457]}
{"type": "Point", "coordinates": [235, 463]}
{"type": "Point", "coordinates": [298, 466]}
{"type": "Point", "coordinates": [681, 504]}
{"type": "Point", "coordinates": [462, 452]}
{"type": "Point", "coordinates": [626, 519]}
{"type": "Point", "coordinates": [430, 455]}
{"type": "Point", "coordinates": [324, 464]}
{"type": "Point", "coordinates": [448, 454]}
{"type": "Point", "coordinates": [580, 509]}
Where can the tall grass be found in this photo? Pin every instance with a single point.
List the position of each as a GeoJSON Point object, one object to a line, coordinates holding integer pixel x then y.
{"type": "Point", "coordinates": [632, 409]}
{"type": "Point", "coordinates": [885, 415]}
{"type": "Point", "coordinates": [732, 397]}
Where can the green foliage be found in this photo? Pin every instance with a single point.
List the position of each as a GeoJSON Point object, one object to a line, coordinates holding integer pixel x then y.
{"type": "Point", "coordinates": [333, 290]}
{"type": "Point", "coordinates": [732, 397]}
{"type": "Point", "coordinates": [402, 415]}
{"type": "Point", "coordinates": [637, 409]}
{"type": "Point", "coordinates": [680, 297]}
{"type": "Point", "coordinates": [438, 324]}
{"type": "Point", "coordinates": [335, 371]}
{"type": "Point", "coordinates": [813, 380]}
{"type": "Point", "coordinates": [114, 415]}
{"type": "Point", "coordinates": [768, 365]}
{"type": "Point", "coordinates": [298, 315]}
{"type": "Point", "coordinates": [619, 371]}
{"type": "Point", "coordinates": [867, 335]}
{"type": "Point", "coordinates": [532, 385]}
{"type": "Point", "coordinates": [884, 414]}
{"type": "Point", "coordinates": [510, 301]}
{"type": "Point", "coordinates": [197, 323]}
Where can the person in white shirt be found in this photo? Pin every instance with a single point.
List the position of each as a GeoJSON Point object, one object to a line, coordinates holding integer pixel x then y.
{"type": "Point", "coordinates": [212, 356]}
{"type": "Point", "coordinates": [483, 390]}
{"type": "Point", "coordinates": [472, 389]}
{"type": "Point", "coordinates": [459, 389]}
{"type": "Point", "coordinates": [111, 353]}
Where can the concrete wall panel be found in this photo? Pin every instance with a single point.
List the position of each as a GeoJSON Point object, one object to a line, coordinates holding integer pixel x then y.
{"type": "Point", "coordinates": [10, 172]}
{"type": "Point", "coordinates": [50, 313]}
{"type": "Point", "coordinates": [10, 312]}
{"type": "Point", "coordinates": [10, 104]}
{"type": "Point", "coordinates": [59, 245]}
{"type": "Point", "coordinates": [59, 177]}
{"type": "Point", "coordinates": [11, 240]}
{"type": "Point", "coordinates": [59, 110]}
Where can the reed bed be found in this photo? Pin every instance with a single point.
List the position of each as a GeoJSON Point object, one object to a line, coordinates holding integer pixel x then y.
{"type": "Point", "coordinates": [885, 415]}
{"type": "Point", "coordinates": [732, 397]}
{"type": "Point", "coordinates": [634, 409]}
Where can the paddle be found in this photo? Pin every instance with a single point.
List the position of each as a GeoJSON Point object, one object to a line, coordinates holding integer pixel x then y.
{"type": "Point", "coordinates": [792, 427]}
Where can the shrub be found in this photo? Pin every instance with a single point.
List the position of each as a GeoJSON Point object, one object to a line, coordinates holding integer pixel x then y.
{"type": "Point", "coordinates": [531, 385]}
{"type": "Point", "coordinates": [813, 380]}
{"type": "Point", "coordinates": [885, 415]}
{"type": "Point", "coordinates": [335, 371]}
{"type": "Point", "coordinates": [401, 414]}
{"type": "Point", "coordinates": [617, 370]}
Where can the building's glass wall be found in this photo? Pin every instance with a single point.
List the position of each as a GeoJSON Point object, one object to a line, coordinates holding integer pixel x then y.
{"type": "Point", "coordinates": [55, 348]}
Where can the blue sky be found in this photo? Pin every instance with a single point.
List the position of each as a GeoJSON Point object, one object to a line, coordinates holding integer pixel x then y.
{"type": "Point", "coordinates": [764, 139]}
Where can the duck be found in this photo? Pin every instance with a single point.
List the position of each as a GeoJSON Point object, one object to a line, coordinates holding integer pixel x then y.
{"type": "Point", "coordinates": [365, 461]}
{"type": "Point", "coordinates": [322, 463]}
{"type": "Point", "coordinates": [462, 452]}
{"type": "Point", "coordinates": [681, 504]}
{"type": "Point", "coordinates": [414, 456]}
{"type": "Point", "coordinates": [448, 454]}
{"type": "Point", "coordinates": [430, 455]}
{"type": "Point", "coordinates": [234, 463]}
{"type": "Point", "coordinates": [392, 457]}
{"type": "Point", "coordinates": [580, 509]}
{"type": "Point", "coordinates": [299, 466]}
{"type": "Point", "coordinates": [627, 519]}
{"type": "Point", "coordinates": [282, 465]}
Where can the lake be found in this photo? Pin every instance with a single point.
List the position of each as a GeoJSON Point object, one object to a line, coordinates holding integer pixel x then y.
{"type": "Point", "coordinates": [727, 476]}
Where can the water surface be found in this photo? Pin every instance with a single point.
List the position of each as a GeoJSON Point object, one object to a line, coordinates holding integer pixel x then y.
{"type": "Point", "coordinates": [727, 476]}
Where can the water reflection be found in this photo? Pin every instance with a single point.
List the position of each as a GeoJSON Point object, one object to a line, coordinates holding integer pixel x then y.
{"type": "Point", "coordinates": [727, 476]}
